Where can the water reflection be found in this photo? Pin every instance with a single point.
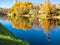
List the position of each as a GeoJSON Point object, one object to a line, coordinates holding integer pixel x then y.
{"type": "Point", "coordinates": [28, 23]}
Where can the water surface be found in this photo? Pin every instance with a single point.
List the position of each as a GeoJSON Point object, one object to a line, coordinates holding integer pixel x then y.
{"type": "Point", "coordinates": [33, 36]}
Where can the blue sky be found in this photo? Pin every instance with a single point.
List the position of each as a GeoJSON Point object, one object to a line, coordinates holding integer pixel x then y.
{"type": "Point", "coordinates": [9, 3]}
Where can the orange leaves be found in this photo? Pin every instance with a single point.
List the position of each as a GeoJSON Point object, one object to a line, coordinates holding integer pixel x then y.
{"type": "Point", "coordinates": [45, 25]}
{"type": "Point", "coordinates": [19, 24]}
{"type": "Point", "coordinates": [16, 5]}
{"type": "Point", "coordinates": [46, 8]}
{"type": "Point", "coordinates": [20, 5]}
{"type": "Point", "coordinates": [25, 28]}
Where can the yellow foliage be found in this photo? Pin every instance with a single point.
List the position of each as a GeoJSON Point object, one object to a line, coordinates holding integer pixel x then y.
{"type": "Point", "coordinates": [20, 5]}
{"type": "Point", "coordinates": [16, 5]}
{"type": "Point", "coordinates": [45, 25]}
{"type": "Point", "coordinates": [25, 28]}
{"type": "Point", "coordinates": [19, 24]}
{"type": "Point", "coordinates": [46, 8]}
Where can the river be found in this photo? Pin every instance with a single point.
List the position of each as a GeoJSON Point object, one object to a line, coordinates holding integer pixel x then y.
{"type": "Point", "coordinates": [33, 36]}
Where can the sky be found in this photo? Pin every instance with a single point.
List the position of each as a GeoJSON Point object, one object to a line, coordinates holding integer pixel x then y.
{"type": "Point", "coordinates": [9, 3]}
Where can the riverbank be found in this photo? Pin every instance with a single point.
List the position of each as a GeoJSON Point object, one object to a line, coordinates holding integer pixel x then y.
{"type": "Point", "coordinates": [7, 38]}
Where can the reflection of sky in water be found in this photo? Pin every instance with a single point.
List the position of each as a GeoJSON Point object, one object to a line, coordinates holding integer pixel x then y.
{"type": "Point", "coordinates": [35, 37]}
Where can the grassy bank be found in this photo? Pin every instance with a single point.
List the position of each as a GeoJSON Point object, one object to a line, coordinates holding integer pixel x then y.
{"type": "Point", "coordinates": [7, 38]}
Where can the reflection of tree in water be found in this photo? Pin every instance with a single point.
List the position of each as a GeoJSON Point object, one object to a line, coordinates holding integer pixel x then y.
{"type": "Point", "coordinates": [23, 19]}
{"type": "Point", "coordinates": [22, 22]}
{"type": "Point", "coordinates": [53, 22]}
{"type": "Point", "coordinates": [27, 23]}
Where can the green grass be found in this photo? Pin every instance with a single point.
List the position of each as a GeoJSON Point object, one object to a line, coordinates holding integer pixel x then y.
{"type": "Point", "coordinates": [7, 38]}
